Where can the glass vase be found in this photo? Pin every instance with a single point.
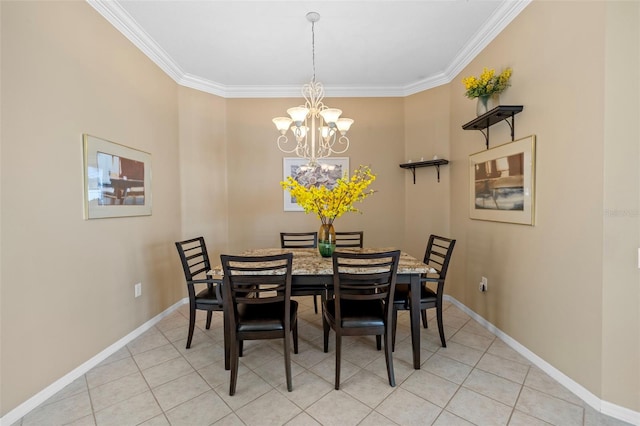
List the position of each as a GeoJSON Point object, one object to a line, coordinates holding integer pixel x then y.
{"type": "Point", "coordinates": [326, 240]}
{"type": "Point", "coordinates": [486, 103]}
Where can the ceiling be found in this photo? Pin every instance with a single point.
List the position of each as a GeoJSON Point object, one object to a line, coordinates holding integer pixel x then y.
{"type": "Point", "coordinates": [263, 48]}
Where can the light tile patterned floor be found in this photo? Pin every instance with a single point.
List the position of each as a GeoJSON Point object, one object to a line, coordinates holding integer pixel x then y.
{"type": "Point", "coordinates": [476, 380]}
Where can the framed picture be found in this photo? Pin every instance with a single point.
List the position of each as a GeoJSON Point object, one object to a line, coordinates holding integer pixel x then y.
{"type": "Point", "coordinates": [326, 173]}
{"type": "Point", "coordinates": [117, 180]}
{"type": "Point", "coordinates": [502, 183]}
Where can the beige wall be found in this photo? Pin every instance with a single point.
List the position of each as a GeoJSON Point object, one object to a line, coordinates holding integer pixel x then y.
{"type": "Point", "coordinates": [427, 133]}
{"type": "Point", "coordinates": [621, 281]}
{"type": "Point", "coordinates": [567, 288]}
{"type": "Point", "coordinates": [256, 215]}
{"type": "Point", "coordinates": [203, 169]}
{"type": "Point", "coordinates": [67, 283]}
{"type": "Point", "coordinates": [547, 282]}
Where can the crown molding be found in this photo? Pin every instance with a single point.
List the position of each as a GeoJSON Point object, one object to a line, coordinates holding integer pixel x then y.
{"type": "Point", "coordinates": [123, 22]}
{"type": "Point", "coordinates": [494, 26]}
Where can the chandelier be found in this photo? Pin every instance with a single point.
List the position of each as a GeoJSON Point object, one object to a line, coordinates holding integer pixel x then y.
{"type": "Point", "coordinates": [318, 130]}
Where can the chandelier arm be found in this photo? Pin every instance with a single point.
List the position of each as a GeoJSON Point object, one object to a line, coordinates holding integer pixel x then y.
{"type": "Point", "coordinates": [283, 140]}
{"type": "Point", "coordinates": [343, 140]}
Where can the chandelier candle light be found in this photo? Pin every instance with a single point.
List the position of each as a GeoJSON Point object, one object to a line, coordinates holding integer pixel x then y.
{"type": "Point", "coordinates": [314, 125]}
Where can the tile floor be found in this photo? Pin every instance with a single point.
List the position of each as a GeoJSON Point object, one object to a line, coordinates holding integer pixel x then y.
{"type": "Point", "coordinates": [476, 380]}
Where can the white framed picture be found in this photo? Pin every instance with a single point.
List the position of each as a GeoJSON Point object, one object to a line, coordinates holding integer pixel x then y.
{"type": "Point", "coordinates": [326, 172]}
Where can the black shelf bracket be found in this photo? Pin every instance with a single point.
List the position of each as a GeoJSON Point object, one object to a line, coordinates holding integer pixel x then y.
{"type": "Point", "coordinates": [496, 115]}
{"type": "Point", "coordinates": [429, 163]}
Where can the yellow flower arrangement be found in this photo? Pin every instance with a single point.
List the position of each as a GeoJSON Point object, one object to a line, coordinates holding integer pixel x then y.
{"type": "Point", "coordinates": [329, 204]}
{"type": "Point", "coordinates": [488, 83]}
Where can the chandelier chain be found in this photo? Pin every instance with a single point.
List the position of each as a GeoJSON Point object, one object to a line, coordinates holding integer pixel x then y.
{"type": "Point", "coordinates": [313, 49]}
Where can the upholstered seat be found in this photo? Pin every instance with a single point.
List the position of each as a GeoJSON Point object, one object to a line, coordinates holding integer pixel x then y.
{"type": "Point", "coordinates": [265, 317]}
{"type": "Point", "coordinates": [366, 313]}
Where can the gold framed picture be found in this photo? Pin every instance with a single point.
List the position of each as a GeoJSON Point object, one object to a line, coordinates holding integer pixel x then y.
{"type": "Point", "coordinates": [502, 183]}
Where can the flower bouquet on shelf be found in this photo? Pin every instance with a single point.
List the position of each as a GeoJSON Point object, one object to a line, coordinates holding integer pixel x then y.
{"type": "Point", "coordinates": [331, 203]}
{"type": "Point", "coordinates": [486, 88]}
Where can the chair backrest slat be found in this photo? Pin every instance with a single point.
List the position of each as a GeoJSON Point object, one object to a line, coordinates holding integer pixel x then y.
{"type": "Point", "coordinates": [364, 276]}
{"type": "Point", "coordinates": [298, 239]}
{"type": "Point", "coordinates": [257, 279]}
{"type": "Point", "coordinates": [194, 257]}
{"type": "Point", "coordinates": [438, 254]}
{"type": "Point", "coordinates": [349, 239]}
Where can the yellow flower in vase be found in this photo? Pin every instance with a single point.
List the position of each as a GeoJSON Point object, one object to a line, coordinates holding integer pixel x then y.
{"type": "Point", "coordinates": [329, 203]}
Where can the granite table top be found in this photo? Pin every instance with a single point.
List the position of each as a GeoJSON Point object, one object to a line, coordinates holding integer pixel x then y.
{"type": "Point", "coordinates": [307, 261]}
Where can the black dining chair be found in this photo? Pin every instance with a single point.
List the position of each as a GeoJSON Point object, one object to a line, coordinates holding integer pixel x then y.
{"type": "Point", "coordinates": [302, 240]}
{"type": "Point", "coordinates": [258, 306]}
{"type": "Point", "coordinates": [349, 239]}
{"type": "Point", "coordinates": [196, 267]}
{"type": "Point", "coordinates": [363, 286]}
{"type": "Point", "coordinates": [437, 256]}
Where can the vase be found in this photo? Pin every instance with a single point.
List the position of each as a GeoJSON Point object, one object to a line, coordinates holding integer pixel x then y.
{"type": "Point", "coordinates": [326, 240]}
{"type": "Point", "coordinates": [486, 103]}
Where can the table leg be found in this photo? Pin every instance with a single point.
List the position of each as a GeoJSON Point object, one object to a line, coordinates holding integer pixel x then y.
{"type": "Point", "coordinates": [414, 312]}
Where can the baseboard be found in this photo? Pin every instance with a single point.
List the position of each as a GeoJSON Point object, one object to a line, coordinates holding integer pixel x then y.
{"type": "Point", "coordinates": [604, 407]}
{"type": "Point", "coordinates": [33, 402]}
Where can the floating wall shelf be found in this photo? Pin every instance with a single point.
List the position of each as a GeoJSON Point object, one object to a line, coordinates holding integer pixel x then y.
{"type": "Point", "coordinates": [496, 115]}
{"type": "Point", "coordinates": [429, 163]}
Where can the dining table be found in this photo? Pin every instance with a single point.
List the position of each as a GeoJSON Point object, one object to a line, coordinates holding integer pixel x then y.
{"type": "Point", "coordinates": [310, 269]}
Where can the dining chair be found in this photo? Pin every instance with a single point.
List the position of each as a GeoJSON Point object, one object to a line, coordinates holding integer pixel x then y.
{"type": "Point", "coordinates": [204, 291]}
{"type": "Point", "coordinates": [302, 240]}
{"type": "Point", "coordinates": [437, 256]}
{"type": "Point", "coordinates": [363, 285]}
{"type": "Point", "coordinates": [258, 306]}
{"type": "Point", "coordinates": [349, 239]}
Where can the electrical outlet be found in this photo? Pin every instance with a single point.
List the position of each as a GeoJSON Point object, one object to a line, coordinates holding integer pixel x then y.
{"type": "Point", "coordinates": [483, 285]}
{"type": "Point", "coordinates": [137, 290]}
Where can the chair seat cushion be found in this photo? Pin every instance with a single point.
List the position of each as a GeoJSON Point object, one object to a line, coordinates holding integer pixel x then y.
{"type": "Point", "coordinates": [207, 297]}
{"type": "Point", "coordinates": [402, 295]}
{"type": "Point", "coordinates": [360, 313]}
{"type": "Point", "coordinates": [264, 317]}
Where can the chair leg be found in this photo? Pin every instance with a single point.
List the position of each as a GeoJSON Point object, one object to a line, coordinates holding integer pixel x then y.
{"type": "Point", "coordinates": [227, 345]}
{"type": "Point", "coordinates": [338, 355]}
{"type": "Point", "coordinates": [287, 359]}
{"type": "Point", "coordinates": [295, 337]}
{"type": "Point", "coordinates": [423, 313]}
{"type": "Point", "coordinates": [192, 323]}
{"type": "Point", "coordinates": [233, 379]}
{"type": "Point", "coordinates": [241, 348]}
{"type": "Point", "coordinates": [326, 328]}
{"type": "Point", "coordinates": [440, 326]}
{"type": "Point", "coordinates": [315, 303]}
{"type": "Point", "coordinates": [378, 342]}
{"type": "Point", "coordinates": [395, 326]}
{"type": "Point", "coordinates": [209, 315]}
{"type": "Point", "coordinates": [388, 355]}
